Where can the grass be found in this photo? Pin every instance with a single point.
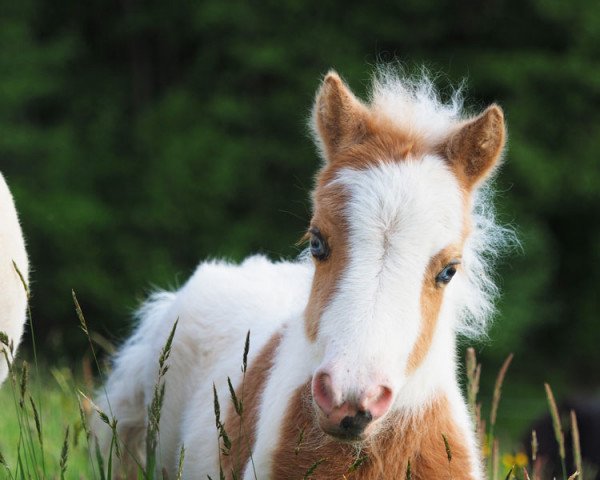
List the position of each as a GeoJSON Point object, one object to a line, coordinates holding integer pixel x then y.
{"type": "Point", "coordinates": [54, 393]}
{"type": "Point", "coordinates": [48, 436]}
{"type": "Point", "coordinates": [45, 414]}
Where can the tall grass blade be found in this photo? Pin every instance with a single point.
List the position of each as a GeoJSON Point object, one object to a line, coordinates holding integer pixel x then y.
{"type": "Point", "coordinates": [22, 279]}
{"type": "Point", "coordinates": [180, 464]}
{"type": "Point", "coordinates": [23, 383]}
{"type": "Point", "coordinates": [109, 474]}
{"type": "Point", "coordinates": [237, 405]}
{"type": "Point", "coordinates": [312, 468]}
{"type": "Point", "coordinates": [576, 444]}
{"type": "Point", "coordinates": [216, 407]}
{"type": "Point", "coordinates": [100, 461]}
{"type": "Point", "coordinates": [495, 459]}
{"type": "Point", "coordinates": [472, 380]}
{"type": "Point", "coordinates": [35, 358]}
{"type": "Point", "coordinates": [156, 404]}
{"type": "Point", "coordinates": [447, 447]}
{"type": "Point", "coordinates": [64, 455]}
{"type": "Point", "coordinates": [558, 432]}
{"type": "Point", "coordinates": [246, 350]}
{"type": "Point", "coordinates": [38, 424]}
{"type": "Point", "coordinates": [357, 463]}
{"type": "Point", "coordinates": [498, 392]}
{"type": "Point", "coordinates": [299, 440]}
{"type": "Point", "coordinates": [5, 341]}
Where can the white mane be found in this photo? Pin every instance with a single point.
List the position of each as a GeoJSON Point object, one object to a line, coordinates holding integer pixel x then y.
{"type": "Point", "coordinates": [487, 241]}
{"type": "Point", "coordinates": [414, 104]}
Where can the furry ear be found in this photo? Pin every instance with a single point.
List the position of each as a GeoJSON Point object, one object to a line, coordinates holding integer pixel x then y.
{"type": "Point", "coordinates": [474, 150]}
{"type": "Point", "coordinates": [339, 118]}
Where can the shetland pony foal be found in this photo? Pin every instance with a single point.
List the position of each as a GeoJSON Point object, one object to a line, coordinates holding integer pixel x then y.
{"type": "Point", "coordinates": [13, 297]}
{"type": "Point", "coordinates": [352, 367]}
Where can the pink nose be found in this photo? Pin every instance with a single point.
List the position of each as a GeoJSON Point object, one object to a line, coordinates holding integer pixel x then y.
{"type": "Point", "coordinates": [371, 404]}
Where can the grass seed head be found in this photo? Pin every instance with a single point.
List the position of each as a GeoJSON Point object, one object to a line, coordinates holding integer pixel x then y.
{"type": "Point", "coordinates": [312, 468]}
{"type": "Point", "coordinates": [4, 338]}
{"type": "Point", "coordinates": [498, 390]}
{"type": "Point", "coordinates": [447, 446]}
{"type": "Point", "coordinates": [576, 445]}
{"type": "Point", "coordinates": [180, 464]}
{"type": "Point", "coordinates": [23, 383]}
{"type": "Point", "coordinates": [64, 454]}
{"type": "Point", "coordinates": [22, 278]}
{"type": "Point", "coordinates": [246, 350]}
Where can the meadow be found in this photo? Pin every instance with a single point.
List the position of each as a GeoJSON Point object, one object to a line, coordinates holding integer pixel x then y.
{"type": "Point", "coordinates": [47, 411]}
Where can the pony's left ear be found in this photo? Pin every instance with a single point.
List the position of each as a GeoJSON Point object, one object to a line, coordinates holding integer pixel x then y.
{"type": "Point", "coordinates": [475, 149]}
{"type": "Point", "coordinates": [339, 118]}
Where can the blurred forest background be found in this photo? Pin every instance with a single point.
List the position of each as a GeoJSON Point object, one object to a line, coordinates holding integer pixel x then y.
{"type": "Point", "coordinates": [141, 137]}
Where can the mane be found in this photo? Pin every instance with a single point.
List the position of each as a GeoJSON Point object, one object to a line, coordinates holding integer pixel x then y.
{"type": "Point", "coordinates": [484, 246]}
{"type": "Point", "coordinates": [414, 104]}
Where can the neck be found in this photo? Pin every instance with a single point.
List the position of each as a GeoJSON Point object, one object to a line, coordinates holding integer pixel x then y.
{"type": "Point", "coordinates": [431, 397]}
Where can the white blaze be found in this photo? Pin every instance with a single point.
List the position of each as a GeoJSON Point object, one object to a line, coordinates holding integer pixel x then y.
{"type": "Point", "coordinates": [400, 215]}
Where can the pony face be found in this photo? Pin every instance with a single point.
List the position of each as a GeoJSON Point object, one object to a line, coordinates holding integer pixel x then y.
{"type": "Point", "coordinates": [392, 211]}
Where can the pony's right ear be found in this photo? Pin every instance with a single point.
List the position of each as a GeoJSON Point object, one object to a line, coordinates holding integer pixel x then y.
{"type": "Point", "coordinates": [339, 118]}
{"type": "Point", "coordinates": [475, 149]}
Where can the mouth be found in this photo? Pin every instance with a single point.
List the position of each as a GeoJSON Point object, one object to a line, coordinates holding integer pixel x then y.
{"type": "Point", "coordinates": [345, 437]}
{"type": "Point", "coordinates": [351, 429]}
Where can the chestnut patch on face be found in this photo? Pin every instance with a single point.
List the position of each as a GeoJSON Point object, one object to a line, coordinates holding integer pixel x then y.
{"type": "Point", "coordinates": [432, 294]}
{"type": "Point", "coordinates": [329, 220]}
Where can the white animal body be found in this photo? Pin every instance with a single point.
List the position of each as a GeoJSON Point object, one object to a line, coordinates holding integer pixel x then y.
{"type": "Point", "coordinates": [355, 345]}
{"type": "Point", "coordinates": [13, 295]}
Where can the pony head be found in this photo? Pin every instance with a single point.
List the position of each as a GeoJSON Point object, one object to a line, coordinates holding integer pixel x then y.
{"type": "Point", "coordinates": [396, 241]}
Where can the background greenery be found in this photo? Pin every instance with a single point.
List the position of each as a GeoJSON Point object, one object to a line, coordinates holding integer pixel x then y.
{"type": "Point", "coordinates": [141, 137]}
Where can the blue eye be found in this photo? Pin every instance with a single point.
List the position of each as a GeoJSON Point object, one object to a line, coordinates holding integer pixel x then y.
{"type": "Point", "coordinates": [318, 247]}
{"type": "Point", "coordinates": [447, 273]}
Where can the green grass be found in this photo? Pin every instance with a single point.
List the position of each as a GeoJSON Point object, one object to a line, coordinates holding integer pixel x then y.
{"type": "Point", "coordinates": [45, 413]}
{"type": "Point", "coordinates": [54, 393]}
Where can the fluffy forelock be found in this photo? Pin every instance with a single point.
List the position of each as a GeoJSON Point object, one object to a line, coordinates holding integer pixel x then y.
{"type": "Point", "coordinates": [414, 104]}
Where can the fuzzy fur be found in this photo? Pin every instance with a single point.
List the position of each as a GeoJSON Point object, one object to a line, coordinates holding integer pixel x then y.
{"type": "Point", "coordinates": [13, 296]}
{"type": "Point", "coordinates": [395, 210]}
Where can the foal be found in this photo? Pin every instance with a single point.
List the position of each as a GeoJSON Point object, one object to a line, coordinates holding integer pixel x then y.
{"type": "Point", "coordinates": [13, 296]}
{"type": "Point", "coordinates": [352, 365]}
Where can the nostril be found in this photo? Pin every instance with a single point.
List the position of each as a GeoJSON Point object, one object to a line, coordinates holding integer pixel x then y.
{"type": "Point", "coordinates": [323, 392]}
{"type": "Point", "coordinates": [377, 401]}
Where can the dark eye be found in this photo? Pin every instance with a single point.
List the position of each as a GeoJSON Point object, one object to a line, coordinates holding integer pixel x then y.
{"type": "Point", "coordinates": [318, 246]}
{"type": "Point", "coordinates": [447, 273]}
